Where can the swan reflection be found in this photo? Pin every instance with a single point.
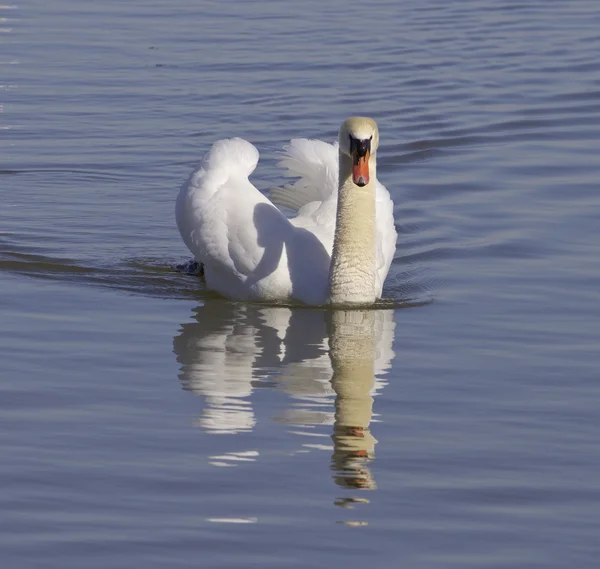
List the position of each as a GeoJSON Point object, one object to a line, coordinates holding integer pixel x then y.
{"type": "Point", "coordinates": [230, 350]}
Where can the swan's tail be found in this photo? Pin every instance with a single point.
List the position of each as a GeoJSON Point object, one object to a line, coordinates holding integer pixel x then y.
{"type": "Point", "coordinates": [234, 154]}
{"type": "Point", "coordinates": [315, 163]}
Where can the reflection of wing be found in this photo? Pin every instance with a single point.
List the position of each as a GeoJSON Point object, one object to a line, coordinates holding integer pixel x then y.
{"type": "Point", "coordinates": [218, 354]}
{"type": "Point", "coordinates": [306, 370]}
{"type": "Point", "coordinates": [383, 331]}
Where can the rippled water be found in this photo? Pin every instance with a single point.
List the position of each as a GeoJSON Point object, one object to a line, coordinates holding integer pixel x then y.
{"type": "Point", "coordinates": [145, 422]}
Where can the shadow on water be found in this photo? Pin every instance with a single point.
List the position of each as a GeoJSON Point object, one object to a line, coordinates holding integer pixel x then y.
{"type": "Point", "coordinates": [316, 357]}
{"type": "Point", "coordinates": [143, 276]}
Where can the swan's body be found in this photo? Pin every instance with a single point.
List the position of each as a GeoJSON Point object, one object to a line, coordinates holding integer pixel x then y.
{"type": "Point", "coordinates": [329, 253]}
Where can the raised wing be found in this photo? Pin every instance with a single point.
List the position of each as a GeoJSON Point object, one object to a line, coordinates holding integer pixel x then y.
{"type": "Point", "coordinates": [315, 164]}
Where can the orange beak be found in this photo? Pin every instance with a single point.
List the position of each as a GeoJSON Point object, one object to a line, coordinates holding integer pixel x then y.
{"type": "Point", "coordinates": [360, 151]}
{"type": "Point", "coordinates": [360, 170]}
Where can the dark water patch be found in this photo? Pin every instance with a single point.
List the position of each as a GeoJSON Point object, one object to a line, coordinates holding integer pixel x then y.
{"type": "Point", "coordinates": [399, 155]}
{"type": "Point", "coordinates": [427, 254]}
{"type": "Point", "coordinates": [576, 96]}
{"type": "Point", "coordinates": [39, 265]}
{"type": "Point", "coordinates": [566, 110]}
{"type": "Point", "coordinates": [140, 276]}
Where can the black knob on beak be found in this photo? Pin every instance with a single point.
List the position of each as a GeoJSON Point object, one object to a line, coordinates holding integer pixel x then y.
{"type": "Point", "coordinates": [360, 148]}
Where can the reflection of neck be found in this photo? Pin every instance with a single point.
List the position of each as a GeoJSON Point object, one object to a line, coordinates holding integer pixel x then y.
{"type": "Point", "coordinates": [352, 274]}
{"type": "Point", "coordinates": [351, 351]}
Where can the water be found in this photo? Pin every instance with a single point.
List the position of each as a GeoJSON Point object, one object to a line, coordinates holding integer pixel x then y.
{"type": "Point", "coordinates": [145, 422]}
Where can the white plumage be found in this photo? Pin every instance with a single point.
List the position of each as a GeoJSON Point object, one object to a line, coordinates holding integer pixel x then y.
{"type": "Point", "coordinates": [249, 249]}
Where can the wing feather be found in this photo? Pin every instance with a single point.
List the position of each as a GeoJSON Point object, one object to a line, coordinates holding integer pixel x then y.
{"type": "Point", "coordinates": [315, 164]}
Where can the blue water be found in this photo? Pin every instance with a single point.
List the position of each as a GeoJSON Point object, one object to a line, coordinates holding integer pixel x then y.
{"type": "Point", "coordinates": [146, 423]}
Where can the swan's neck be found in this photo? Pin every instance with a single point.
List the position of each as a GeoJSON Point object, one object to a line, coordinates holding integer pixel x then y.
{"type": "Point", "coordinates": [352, 276]}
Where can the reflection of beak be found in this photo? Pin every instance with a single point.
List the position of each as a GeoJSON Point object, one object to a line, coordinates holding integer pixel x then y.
{"type": "Point", "coordinates": [360, 151]}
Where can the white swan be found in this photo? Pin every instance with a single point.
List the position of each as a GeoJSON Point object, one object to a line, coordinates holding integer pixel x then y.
{"type": "Point", "coordinates": [337, 250]}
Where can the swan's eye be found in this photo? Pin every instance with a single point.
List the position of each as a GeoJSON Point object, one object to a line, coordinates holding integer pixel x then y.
{"type": "Point", "coordinates": [371, 137]}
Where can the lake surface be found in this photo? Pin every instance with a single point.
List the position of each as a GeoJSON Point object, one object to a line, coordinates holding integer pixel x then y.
{"type": "Point", "coordinates": [146, 423]}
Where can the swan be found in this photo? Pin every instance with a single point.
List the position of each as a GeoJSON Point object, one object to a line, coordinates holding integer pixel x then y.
{"type": "Point", "coordinates": [337, 249]}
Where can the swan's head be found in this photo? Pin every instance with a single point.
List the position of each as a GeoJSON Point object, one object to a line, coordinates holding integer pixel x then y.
{"type": "Point", "coordinates": [359, 139]}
